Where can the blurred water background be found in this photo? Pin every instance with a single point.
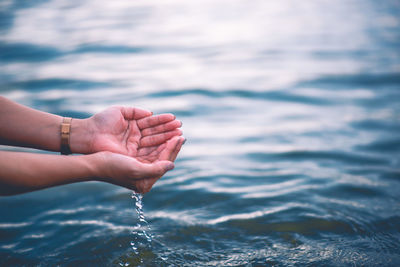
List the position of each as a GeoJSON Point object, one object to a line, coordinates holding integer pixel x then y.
{"type": "Point", "coordinates": [291, 110]}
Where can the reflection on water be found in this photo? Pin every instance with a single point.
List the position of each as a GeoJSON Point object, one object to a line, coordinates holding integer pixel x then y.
{"type": "Point", "coordinates": [291, 112]}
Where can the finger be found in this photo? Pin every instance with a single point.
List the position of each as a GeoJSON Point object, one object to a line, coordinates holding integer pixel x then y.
{"type": "Point", "coordinates": [131, 113]}
{"type": "Point", "coordinates": [158, 139]}
{"type": "Point", "coordinates": [144, 186]}
{"type": "Point", "coordinates": [155, 120]}
{"type": "Point", "coordinates": [145, 151]}
{"type": "Point", "coordinates": [156, 169]}
{"type": "Point", "coordinates": [178, 147]}
{"type": "Point", "coordinates": [171, 144]}
{"type": "Point", "coordinates": [169, 126]}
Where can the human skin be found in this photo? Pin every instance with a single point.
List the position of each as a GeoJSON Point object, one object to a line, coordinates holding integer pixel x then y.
{"type": "Point", "coordinates": [125, 130]}
{"type": "Point", "coordinates": [24, 172]}
{"type": "Point", "coordinates": [132, 148]}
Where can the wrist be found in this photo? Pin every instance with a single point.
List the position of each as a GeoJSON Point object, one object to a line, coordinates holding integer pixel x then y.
{"type": "Point", "coordinates": [98, 166]}
{"type": "Point", "coordinates": [80, 136]}
{"type": "Point", "coordinates": [95, 165]}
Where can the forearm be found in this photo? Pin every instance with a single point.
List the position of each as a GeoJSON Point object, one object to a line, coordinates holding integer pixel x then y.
{"type": "Point", "coordinates": [24, 126]}
{"type": "Point", "coordinates": [25, 172]}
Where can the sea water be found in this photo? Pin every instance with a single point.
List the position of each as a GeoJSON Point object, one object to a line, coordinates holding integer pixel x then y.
{"type": "Point", "coordinates": [291, 112]}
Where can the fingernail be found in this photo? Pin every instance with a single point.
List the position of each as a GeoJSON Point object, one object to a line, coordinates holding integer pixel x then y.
{"type": "Point", "coordinates": [170, 166]}
{"type": "Point", "coordinates": [181, 123]}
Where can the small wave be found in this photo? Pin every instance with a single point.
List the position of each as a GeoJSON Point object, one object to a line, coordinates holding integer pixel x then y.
{"type": "Point", "coordinates": [344, 157]}
{"type": "Point", "coordinates": [211, 186]}
{"type": "Point", "coordinates": [346, 190]}
{"type": "Point", "coordinates": [376, 125]}
{"type": "Point", "coordinates": [252, 215]}
{"type": "Point", "coordinates": [34, 236]}
{"type": "Point", "coordinates": [345, 81]}
{"type": "Point", "coordinates": [97, 223]}
{"type": "Point", "coordinates": [77, 210]}
{"type": "Point", "coordinates": [280, 96]}
{"type": "Point", "coordinates": [26, 52]}
{"type": "Point", "coordinates": [109, 49]}
{"type": "Point", "coordinates": [37, 85]}
{"type": "Point", "coordinates": [14, 225]}
{"type": "Point", "coordinates": [186, 218]}
{"type": "Point", "coordinates": [384, 146]}
{"type": "Point", "coordinates": [182, 217]}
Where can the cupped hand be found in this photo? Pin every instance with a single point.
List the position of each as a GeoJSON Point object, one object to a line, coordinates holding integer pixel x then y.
{"type": "Point", "coordinates": [140, 173]}
{"type": "Point", "coordinates": [129, 131]}
{"type": "Point", "coordinates": [135, 148]}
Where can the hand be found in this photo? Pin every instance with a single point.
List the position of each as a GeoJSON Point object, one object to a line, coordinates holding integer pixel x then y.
{"type": "Point", "coordinates": [139, 174]}
{"type": "Point", "coordinates": [128, 131]}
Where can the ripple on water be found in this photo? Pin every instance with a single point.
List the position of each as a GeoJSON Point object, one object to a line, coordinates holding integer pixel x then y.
{"type": "Point", "coordinates": [292, 156]}
{"type": "Point", "coordinates": [335, 156]}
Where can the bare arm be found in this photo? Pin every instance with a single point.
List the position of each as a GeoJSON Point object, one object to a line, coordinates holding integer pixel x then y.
{"type": "Point", "coordinates": [25, 172]}
{"type": "Point", "coordinates": [146, 145]}
{"type": "Point", "coordinates": [124, 130]}
{"type": "Point", "coordinates": [23, 126]}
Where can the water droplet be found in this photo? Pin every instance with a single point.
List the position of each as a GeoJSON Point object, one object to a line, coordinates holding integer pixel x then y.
{"type": "Point", "coordinates": [141, 237]}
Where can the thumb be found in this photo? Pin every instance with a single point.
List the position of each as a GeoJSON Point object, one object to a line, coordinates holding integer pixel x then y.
{"type": "Point", "coordinates": [157, 169]}
{"type": "Point", "coordinates": [166, 165]}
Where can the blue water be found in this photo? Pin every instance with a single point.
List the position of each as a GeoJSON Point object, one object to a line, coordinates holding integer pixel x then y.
{"type": "Point", "coordinates": [291, 110]}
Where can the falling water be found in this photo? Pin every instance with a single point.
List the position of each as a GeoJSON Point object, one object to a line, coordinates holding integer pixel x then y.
{"type": "Point", "coordinates": [141, 236]}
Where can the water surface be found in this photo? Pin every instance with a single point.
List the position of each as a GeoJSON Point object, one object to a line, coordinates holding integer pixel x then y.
{"type": "Point", "coordinates": [291, 112]}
